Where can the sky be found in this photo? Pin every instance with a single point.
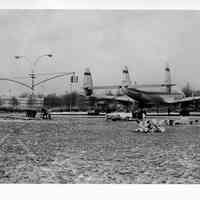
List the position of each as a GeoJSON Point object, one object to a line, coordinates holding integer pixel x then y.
{"type": "Point", "coordinates": [104, 41]}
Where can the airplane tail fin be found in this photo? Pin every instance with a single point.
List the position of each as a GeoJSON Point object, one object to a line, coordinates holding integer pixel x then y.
{"type": "Point", "coordinates": [168, 80]}
{"type": "Point", "coordinates": [126, 81]}
{"type": "Point", "coordinates": [88, 82]}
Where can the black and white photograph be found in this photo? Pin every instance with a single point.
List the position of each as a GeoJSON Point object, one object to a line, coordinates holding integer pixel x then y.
{"type": "Point", "coordinates": [99, 96]}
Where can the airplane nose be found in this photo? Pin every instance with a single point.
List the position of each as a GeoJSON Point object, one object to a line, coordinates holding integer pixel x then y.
{"type": "Point", "coordinates": [131, 90]}
{"type": "Point", "coordinates": [127, 90]}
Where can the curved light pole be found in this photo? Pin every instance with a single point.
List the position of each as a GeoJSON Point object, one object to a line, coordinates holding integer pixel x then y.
{"type": "Point", "coordinates": [32, 65]}
{"type": "Point", "coordinates": [33, 74]}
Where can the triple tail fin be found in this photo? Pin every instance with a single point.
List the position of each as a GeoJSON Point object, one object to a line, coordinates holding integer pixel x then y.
{"type": "Point", "coordinates": [88, 82]}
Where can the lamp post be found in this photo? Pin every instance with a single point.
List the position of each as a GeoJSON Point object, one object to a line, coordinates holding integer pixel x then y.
{"type": "Point", "coordinates": [32, 65]}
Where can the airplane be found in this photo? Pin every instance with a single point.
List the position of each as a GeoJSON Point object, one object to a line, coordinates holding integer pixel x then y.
{"type": "Point", "coordinates": [89, 91]}
{"type": "Point", "coordinates": [150, 94]}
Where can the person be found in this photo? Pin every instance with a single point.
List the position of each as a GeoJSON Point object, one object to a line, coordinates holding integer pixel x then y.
{"type": "Point", "coordinates": [133, 113]}
{"type": "Point", "coordinates": [31, 113]}
{"type": "Point", "coordinates": [157, 126]}
{"type": "Point", "coordinates": [45, 114]}
{"type": "Point", "coordinates": [144, 113]}
{"type": "Point", "coordinates": [141, 126]}
{"type": "Point", "coordinates": [141, 115]}
{"type": "Point", "coordinates": [150, 126]}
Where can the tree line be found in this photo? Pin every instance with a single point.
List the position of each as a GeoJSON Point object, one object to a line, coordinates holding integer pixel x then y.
{"type": "Point", "coordinates": [69, 101]}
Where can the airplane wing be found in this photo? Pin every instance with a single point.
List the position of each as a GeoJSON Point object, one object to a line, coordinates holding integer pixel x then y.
{"type": "Point", "coordinates": [135, 86]}
{"type": "Point", "coordinates": [184, 100]}
{"type": "Point", "coordinates": [123, 99]}
{"type": "Point", "coordinates": [107, 87]}
{"type": "Point", "coordinates": [152, 85]}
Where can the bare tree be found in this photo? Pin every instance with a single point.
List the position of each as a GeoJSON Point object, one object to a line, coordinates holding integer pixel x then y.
{"type": "Point", "coordinates": [14, 101]}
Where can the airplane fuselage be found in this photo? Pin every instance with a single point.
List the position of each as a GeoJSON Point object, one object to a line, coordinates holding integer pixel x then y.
{"type": "Point", "coordinates": [152, 95]}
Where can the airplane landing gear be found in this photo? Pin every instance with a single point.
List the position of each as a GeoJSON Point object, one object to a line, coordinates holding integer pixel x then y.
{"type": "Point", "coordinates": [168, 111]}
{"type": "Point", "coordinates": [184, 112]}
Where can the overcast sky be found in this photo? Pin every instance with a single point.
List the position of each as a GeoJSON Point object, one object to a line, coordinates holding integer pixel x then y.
{"type": "Point", "coordinates": [105, 41]}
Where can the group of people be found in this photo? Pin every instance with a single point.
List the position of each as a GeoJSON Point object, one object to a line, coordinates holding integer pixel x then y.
{"type": "Point", "coordinates": [147, 126]}
{"type": "Point", "coordinates": [150, 126]}
{"type": "Point", "coordinates": [45, 114]}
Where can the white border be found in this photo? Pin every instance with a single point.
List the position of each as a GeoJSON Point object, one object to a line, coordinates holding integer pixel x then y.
{"type": "Point", "coordinates": [100, 192]}
{"type": "Point", "coordinates": [100, 4]}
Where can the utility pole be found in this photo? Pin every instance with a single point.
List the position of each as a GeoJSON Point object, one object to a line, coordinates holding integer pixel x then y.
{"type": "Point", "coordinates": [73, 79]}
{"type": "Point", "coordinates": [33, 76]}
{"type": "Point", "coordinates": [70, 106]}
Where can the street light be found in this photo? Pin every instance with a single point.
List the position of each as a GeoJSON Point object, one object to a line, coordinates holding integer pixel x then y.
{"type": "Point", "coordinates": [17, 57]}
{"type": "Point", "coordinates": [33, 64]}
{"type": "Point", "coordinates": [50, 55]}
{"type": "Point", "coordinates": [36, 60]}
